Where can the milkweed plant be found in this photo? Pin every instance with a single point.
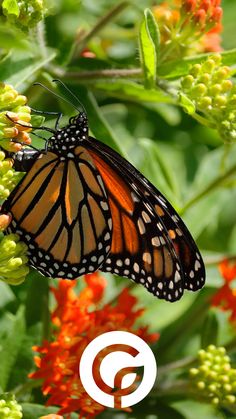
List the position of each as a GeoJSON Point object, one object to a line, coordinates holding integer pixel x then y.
{"type": "Point", "coordinates": [157, 81]}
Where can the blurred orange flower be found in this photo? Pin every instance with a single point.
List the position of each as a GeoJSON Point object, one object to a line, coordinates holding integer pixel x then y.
{"type": "Point", "coordinates": [77, 320]}
{"type": "Point", "coordinates": [225, 297]}
{"type": "Point", "coordinates": [189, 26]}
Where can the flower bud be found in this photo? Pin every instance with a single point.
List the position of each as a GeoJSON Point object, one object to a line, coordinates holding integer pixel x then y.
{"type": "Point", "coordinates": [9, 408]}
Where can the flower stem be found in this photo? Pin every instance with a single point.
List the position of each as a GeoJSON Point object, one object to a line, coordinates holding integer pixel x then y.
{"type": "Point", "coordinates": [78, 47]}
{"type": "Point", "coordinates": [98, 74]}
{"type": "Point", "coordinates": [40, 33]}
{"type": "Point", "coordinates": [213, 185]}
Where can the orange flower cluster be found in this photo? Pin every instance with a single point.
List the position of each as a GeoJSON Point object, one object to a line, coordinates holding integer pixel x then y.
{"type": "Point", "coordinates": [225, 298]}
{"type": "Point", "coordinates": [189, 26]}
{"type": "Point", "coordinates": [77, 320]}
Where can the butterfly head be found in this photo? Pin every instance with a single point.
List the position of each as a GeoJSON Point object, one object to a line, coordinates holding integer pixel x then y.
{"type": "Point", "coordinates": [69, 137]}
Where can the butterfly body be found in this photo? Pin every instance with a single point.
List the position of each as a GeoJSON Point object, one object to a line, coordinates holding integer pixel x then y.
{"type": "Point", "coordinates": [82, 207]}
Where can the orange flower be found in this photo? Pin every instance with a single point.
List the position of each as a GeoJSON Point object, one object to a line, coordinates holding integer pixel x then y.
{"type": "Point", "coordinates": [78, 319]}
{"type": "Point", "coordinates": [225, 297]}
{"type": "Point", "coordinates": [188, 26]}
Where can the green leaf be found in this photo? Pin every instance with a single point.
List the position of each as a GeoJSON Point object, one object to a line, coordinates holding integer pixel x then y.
{"type": "Point", "coordinates": [186, 103]}
{"type": "Point", "coordinates": [99, 126]}
{"type": "Point", "coordinates": [148, 40]}
{"type": "Point", "coordinates": [154, 32]}
{"type": "Point", "coordinates": [6, 295]}
{"type": "Point", "coordinates": [12, 38]}
{"type": "Point", "coordinates": [129, 90]}
{"type": "Point", "coordinates": [209, 335]}
{"type": "Point", "coordinates": [10, 7]}
{"type": "Point", "coordinates": [25, 361]}
{"type": "Point", "coordinates": [37, 120]}
{"type": "Point", "coordinates": [10, 346]}
{"type": "Point", "coordinates": [19, 68]}
{"type": "Point", "coordinates": [183, 328]}
{"type": "Point", "coordinates": [37, 300]}
{"type": "Point", "coordinates": [178, 68]}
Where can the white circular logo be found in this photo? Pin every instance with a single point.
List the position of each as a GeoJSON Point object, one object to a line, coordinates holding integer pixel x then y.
{"type": "Point", "coordinates": [101, 375]}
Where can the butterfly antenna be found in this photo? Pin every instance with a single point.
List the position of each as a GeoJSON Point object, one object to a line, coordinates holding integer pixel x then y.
{"type": "Point", "coordinates": [71, 93]}
{"type": "Point", "coordinates": [56, 94]}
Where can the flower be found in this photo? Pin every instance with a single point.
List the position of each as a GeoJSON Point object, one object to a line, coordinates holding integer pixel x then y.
{"type": "Point", "coordinates": [51, 416]}
{"type": "Point", "coordinates": [212, 94]}
{"type": "Point", "coordinates": [9, 408]}
{"type": "Point", "coordinates": [214, 378]}
{"type": "Point", "coordinates": [77, 320]}
{"type": "Point", "coordinates": [225, 297]}
{"type": "Point", "coordinates": [14, 119]}
{"type": "Point", "coordinates": [188, 26]}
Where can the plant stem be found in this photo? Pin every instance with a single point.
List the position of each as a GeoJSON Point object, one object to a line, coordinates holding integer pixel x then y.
{"type": "Point", "coordinates": [97, 28]}
{"type": "Point", "coordinates": [180, 363]}
{"type": "Point", "coordinates": [98, 74]}
{"type": "Point", "coordinates": [40, 30]}
{"type": "Point", "coordinates": [214, 184]}
{"type": "Point", "coordinates": [216, 260]}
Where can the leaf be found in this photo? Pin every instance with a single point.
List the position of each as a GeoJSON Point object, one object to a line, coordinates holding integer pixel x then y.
{"type": "Point", "coordinates": [148, 40]}
{"type": "Point", "coordinates": [181, 329]}
{"type": "Point", "coordinates": [186, 103]}
{"type": "Point", "coordinates": [6, 295]}
{"type": "Point", "coordinates": [20, 68]}
{"type": "Point", "coordinates": [37, 120]}
{"type": "Point", "coordinates": [37, 298]}
{"type": "Point", "coordinates": [160, 164]}
{"type": "Point", "coordinates": [12, 38]}
{"type": "Point", "coordinates": [209, 335]}
{"type": "Point", "coordinates": [100, 128]}
{"type": "Point", "coordinates": [129, 90]}
{"type": "Point", "coordinates": [10, 346]}
{"type": "Point", "coordinates": [25, 360]}
{"type": "Point", "coordinates": [208, 188]}
{"type": "Point", "coordinates": [10, 7]}
{"type": "Point", "coordinates": [178, 68]}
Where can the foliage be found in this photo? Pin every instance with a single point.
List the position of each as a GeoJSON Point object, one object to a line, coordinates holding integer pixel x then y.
{"type": "Point", "coordinates": [158, 85]}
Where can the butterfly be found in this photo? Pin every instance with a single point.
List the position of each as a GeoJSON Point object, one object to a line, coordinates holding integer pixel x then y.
{"type": "Point", "coordinates": [82, 207]}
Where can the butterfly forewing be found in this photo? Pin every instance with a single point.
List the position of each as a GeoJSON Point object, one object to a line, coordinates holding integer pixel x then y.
{"type": "Point", "coordinates": [163, 239]}
{"type": "Point", "coordinates": [60, 208]}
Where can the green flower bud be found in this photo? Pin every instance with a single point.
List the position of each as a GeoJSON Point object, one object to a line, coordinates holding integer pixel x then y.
{"type": "Point", "coordinates": [208, 65]}
{"type": "Point", "coordinates": [26, 14]}
{"type": "Point", "coordinates": [9, 408]}
{"type": "Point", "coordinates": [187, 82]}
{"type": "Point", "coordinates": [13, 260]}
{"type": "Point", "coordinates": [212, 381]}
{"type": "Point", "coordinates": [213, 94]}
{"type": "Point", "coordinates": [215, 89]}
{"type": "Point", "coordinates": [13, 110]}
{"type": "Point", "coordinates": [8, 177]}
{"type": "Point", "coordinates": [196, 70]}
{"type": "Point", "coordinates": [230, 398]}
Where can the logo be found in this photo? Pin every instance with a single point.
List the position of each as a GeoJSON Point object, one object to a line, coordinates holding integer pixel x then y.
{"type": "Point", "coordinates": [102, 375]}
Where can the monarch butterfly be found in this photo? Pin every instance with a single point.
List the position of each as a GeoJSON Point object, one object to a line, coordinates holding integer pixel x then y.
{"type": "Point", "coordinates": [82, 207]}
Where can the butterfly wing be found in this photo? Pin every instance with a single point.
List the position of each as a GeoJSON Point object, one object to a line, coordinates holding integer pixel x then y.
{"type": "Point", "coordinates": [150, 243]}
{"type": "Point", "coordinates": [60, 209]}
